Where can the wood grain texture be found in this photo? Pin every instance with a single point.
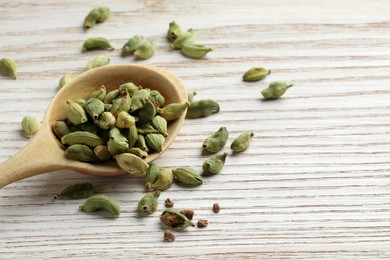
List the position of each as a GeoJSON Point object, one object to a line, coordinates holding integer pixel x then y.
{"type": "Point", "coordinates": [315, 181]}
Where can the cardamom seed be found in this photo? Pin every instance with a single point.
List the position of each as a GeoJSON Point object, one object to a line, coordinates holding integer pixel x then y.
{"type": "Point", "coordinates": [30, 125]}
{"type": "Point", "coordinates": [202, 223]}
{"type": "Point", "coordinates": [65, 80]}
{"type": "Point", "coordinates": [255, 74]}
{"type": "Point", "coordinates": [76, 191]}
{"type": "Point", "coordinates": [241, 143]}
{"type": "Point", "coordinates": [149, 202]}
{"type": "Point", "coordinates": [184, 38]}
{"type": "Point", "coordinates": [101, 202]}
{"type": "Point", "coordinates": [189, 213]}
{"type": "Point", "coordinates": [81, 152]}
{"type": "Point", "coordinates": [202, 108]}
{"type": "Point", "coordinates": [155, 141]}
{"type": "Point", "coordinates": [173, 111]}
{"type": "Point", "coordinates": [214, 164]}
{"type": "Point", "coordinates": [81, 137]}
{"type": "Point", "coordinates": [169, 236]}
{"type": "Point", "coordinates": [96, 15]}
{"type": "Point", "coordinates": [195, 51]}
{"type": "Point", "coordinates": [216, 141]}
{"type": "Point", "coordinates": [96, 43]}
{"type": "Point", "coordinates": [8, 68]}
{"type": "Point", "coordinates": [131, 163]}
{"type": "Point", "coordinates": [132, 44]}
{"type": "Point", "coordinates": [145, 50]}
{"type": "Point", "coordinates": [275, 90]}
{"type": "Point", "coordinates": [174, 219]}
{"type": "Point", "coordinates": [174, 31]}
{"type": "Point", "coordinates": [98, 61]}
{"type": "Point", "coordinates": [164, 180]}
{"type": "Point", "coordinates": [188, 176]}
{"type": "Point", "coordinates": [75, 113]}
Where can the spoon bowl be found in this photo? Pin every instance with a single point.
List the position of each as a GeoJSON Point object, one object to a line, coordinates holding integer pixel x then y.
{"type": "Point", "coordinates": [45, 153]}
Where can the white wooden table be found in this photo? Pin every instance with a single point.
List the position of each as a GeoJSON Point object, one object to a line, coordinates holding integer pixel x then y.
{"type": "Point", "coordinates": [315, 182]}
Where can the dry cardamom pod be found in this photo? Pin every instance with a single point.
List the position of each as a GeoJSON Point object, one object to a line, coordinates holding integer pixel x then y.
{"type": "Point", "coordinates": [255, 74]}
{"type": "Point", "coordinates": [164, 180]}
{"type": "Point", "coordinates": [173, 111]}
{"type": "Point", "coordinates": [129, 87]}
{"type": "Point", "coordinates": [97, 15]}
{"type": "Point", "coordinates": [174, 31]}
{"type": "Point", "coordinates": [242, 142]}
{"type": "Point", "coordinates": [141, 143]}
{"type": "Point", "coordinates": [106, 120]}
{"type": "Point", "coordinates": [155, 141]}
{"type": "Point", "coordinates": [174, 219]}
{"type": "Point", "coordinates": [118, 142]}
{"type": "Point", "coordinates": [98, 61]}
{"type": "Point", "coordinates": [111, 96]}
{"type": "Point", "coordinates": [202, 108]}
{"type": "Point", "coordinates": [214, 164]}
{"type": "Point", "coordinates": [131, 163]}
{"type": "Point", "coordinates": [102, 153]}
{"type": "Point", "coordinates": [184, 38]}
{"type": "Point", "coordinates": [82, 137]}
{"type": "Point", "coordinates": [81, 152]}
{"type": "Point", "coordinates": [147, 112]}
{"type": "Point", "coordinates": [160, 124]}
{"type": "Point", "coordinates": [216, 141]}
{"type": "Point", "coordinates": [94, 107]}
{"type": "Point", "coordinates": [75, 113]}
{"type": "Point", "coordinates": [188, 176]}
{"type": "Point", "coordinates": [65, 80]}
{"type": "Point", "coordinates": [60, 128]}
{"type": "Point", "coordinates": [8, 68]}
{"type": "Point", "coordinates": [30, 125]}
{"type": "Point", "coordinates": [101, 202]}
{"type": "Point", "coordinates": [122, 103]}
{"type": "Point", "coordinates": [76, 191]}
{"type": "Point", "coordinates": [195, 51]}
{"type": "Point", "coordinates": [125, 120]}
{"type": "Point", "coordinates": [149, 202]}
{"type": "Point", "coordinates": [275, 90]}
{"type": "Point", "coordinates": [145, 50]}
{"type": "Point", "coordinates": [132, 44]}
{"type": "Point", "coordinates": [97, 43]}
{"type": "Point", "coordinates": [132, 136]}
{"type": "Point", "coordinates": [139, 98]}
{"type": "Point", "coordinates": [138, 152]}
{"type": "Point", "coordinates": [99, 93]}
{"type": "Point", "coordinates": [157, 98]}
{"type": "Point", "coordinates": [151, 175]}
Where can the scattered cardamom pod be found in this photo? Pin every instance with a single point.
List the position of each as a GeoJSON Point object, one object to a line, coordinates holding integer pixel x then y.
{"type": "Point", "coordinates": [101, 202]}
{"type": "Point", "coordinates": [173, 111]}
{"type": "Point", "coordinates": [145, 50]}
{"type": "Point", "coordinates": [96, 15]}
{"type": "Point", "coordinates": [174, 31]}
{"type": "Point", "coordinates": [131, 163]}
{"type": "Point", "coordinates": [65, 80]}
{"type": "Point", "coordinates": [30, 125]}
{"type": "Point", "coordinates": [255, 74]}
{"type": "Point", "coordinates": [188, 176]}
{"type": "Point", "coordinates": [275, 90]}
{"type": "Point", "coordinates": [216, 141]}
{"type": "Point", "coordinates": [8, 68]}
{"type": "Point", "coordinates": [82, 137]}
{"type": "Point", "coordinates": [164, 180]}
{"type": "Point", "coordinates": [242, 142]}
{"type": "Point", "coordinates": [174, 219]}
{"type": "Point", "coordinates": [76, 191]}
{"type": "Point", "coordinates": [98, 61]}
{"type": "Point", "coordinates": [149, 202]}
{"type": "Point", "coordinates": [214, 164]}
{"type": "Point", "coordinates": [195, 51]}
{"type": "Point", "coordinates": [202, 108]}
{"type": "Point", "coordinates": [184, 38]}
{"type": "Point", "coordinates": [132, 44]}
{"type": "Point", "coordinates": [81, 152]}
{"type": "Point", "coordinates": [97, 43]}
{"type": "Point", "coordinates": [151, 175]}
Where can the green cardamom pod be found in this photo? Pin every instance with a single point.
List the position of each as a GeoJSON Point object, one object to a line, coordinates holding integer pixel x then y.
{"type": "Point", "coordinates": [160, 124]}
{"type": "Point", "coordinates": [65, 80]}
{"type": "Point", "coordinates": [132, 135]}
{"type": "Point", "coordinates": [149, 202]}
{"type": "Point", "coordinates": [8, 68]}
{"type": "Point", "coordinates": [94, 107]}
{"type": "Point", "coordinates": [214, 164]}
{"type": "Point", "coordinates": [75, 113]}
{"type": "Point", "coordinates": [130, 87]}
{"type": "Point", "coordinates": [76, 191]}
{"type": "Point", "coordinates": [139, 98]}
{"type": "Point", "coordinates": [195, 51]}
{"type": "Point", "coordinates": [131, 163]}
{"type": "Point", "coordinates": [111, 96]}
{"type": "Point", "coordinates": [96, 43]}
{"type": "Point", "coordinates": [81, 152]}
{"type": "Point", "coordinates": [145, 50]}
{"type": "Point", "coordinates": [121, 103]}
{"type": "Point", "coordinates": [188, 176]}
{"type": "Point", "coordinates": [190, 96]}
{"type": "Point", "coordinates": [101, 202]}
{"type": "Point", "coordinates": [255, 74]}
{"type": "Point", "coordinates": [147, 129]}
{"type": "Point", "coordinates": [141, 143]}
{"type": "Point", "coordinates": [30, 125]}
{"type": "Point", "coordinates": [174, 31]}
{"type": "Point", "coordinates": [99, 93]}
{"type": "Point", "coordinates": [138, 152]}
{"type": "Point", "coordinates": [80, 137]}
{"type": "Point", "coordinates": [96, 15]}
{"type": "Point", "coordinates": [275, 90]}
{"type": "Point", "coordinates": [118, 143]}
{"type": "Point", "coordinates": [164, 180]}
{"type": "Point", "coordinates": [98, 61]}
{"type": "Point", "coordinates": [173, 111]}
{"type": "Point", "coordinates": [156, 97]}
{"type": "Point", "coordinates": [60, 128]}
{"type": "Point", "coordinates": [242, 142]}
{"type": "Point", "coordinates": [88, 127]}
{"type": "Point", "coordinates": [81, 102]}
{"type": "Point", "coordinates": [155, 141]}
{"type": "Point", "coordinates": [106, 120]}
{"type": "Point", "coordinates": [174, 219]}
{"type": "Point", "coordinates": [202, 108]}
{"type": "Point", "coordinates": [151, 175]}
{"type": "Point", "coordinates": [147, 112]}
{"type": "Point", "coordinates": [102, 153]}
{"type": "Point", "coordinates": [185, 38]}
{"type": "Point", "coordinates": [132, 44]}
{"type": "Point", "coordinates": [216, 141]}
{"type": "Point", "coordinates": [125, 120]}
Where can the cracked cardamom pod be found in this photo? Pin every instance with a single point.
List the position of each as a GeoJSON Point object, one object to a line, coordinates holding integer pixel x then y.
{"type": "Point", "coordinates": [121, 103]}
{"type": "Point", "coordinates": [241, 143]}
{"type": "Point", "coordinates": [149, 202]}
{"type": "Point", "coordinates": [188, 176]}
{"type": "Point", "coordinates": [131, 163]}
{"type": "Point", "coordinates": [214, 164]}
{"type": "Point", "coordinates": [275, 90]}
{"type": "Point", "coordinates": [76, 191]}
{"type": "Point", "coordinates": [30, 125]}
{"type": "Point", "coordinates": [8, 68]}
{"type": "Point", "coordinates": [157, 98]}
{"type": "Point", "coordinates": [202, 108]}
{"type": "Point", "coordinates": [216, 141]}
{"type": "Point", "coordinates": [96, 43]}
{"type": "Point", "coordinates": [174, 219]}
{"type": "Point", "coordinates": [255, 74]}
{"type": "Point", "coordinates": [97, 15]}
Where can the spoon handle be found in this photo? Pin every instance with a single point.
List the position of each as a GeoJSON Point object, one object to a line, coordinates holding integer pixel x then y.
{"type": "Point", "coordinates": [38, 156]}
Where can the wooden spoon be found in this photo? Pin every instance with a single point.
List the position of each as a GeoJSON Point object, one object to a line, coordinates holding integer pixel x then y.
{"type": "Point", "coordinates": [45, 153]}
